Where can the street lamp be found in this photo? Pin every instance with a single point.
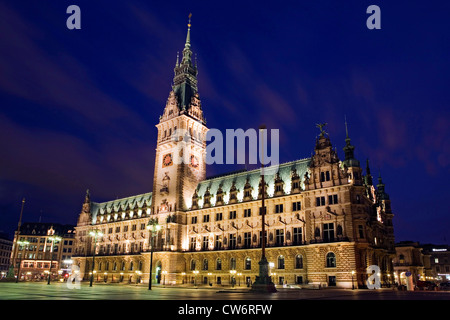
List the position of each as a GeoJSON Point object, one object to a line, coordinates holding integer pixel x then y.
{"type": "Point", "coordinates": [94, 233]}
{"type": "Point", "coordinates": [263, 282]}
{"type": "Point", "coordinates": [153, 227]}
{"type": "Point", "coordinates": [53, 239]}
{"type": "Point", "coordinates": [232, 272]}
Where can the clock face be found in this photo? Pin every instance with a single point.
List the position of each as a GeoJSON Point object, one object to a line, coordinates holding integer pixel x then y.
{"type": "Point", "coordinates": [167, 160]}
{"type": "Point", "coordinates": [194, 161]}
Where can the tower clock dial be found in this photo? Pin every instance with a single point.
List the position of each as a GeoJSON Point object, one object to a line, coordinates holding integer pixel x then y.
{"type": "Point", "coordinates": [194, 161]}
{"type": "Point", "coordinates": [167, 160]}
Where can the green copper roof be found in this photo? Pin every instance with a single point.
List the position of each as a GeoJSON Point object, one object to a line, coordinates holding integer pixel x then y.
{"type": "Point", "coordinates": [118, 206]}
{"type": "Point", "coordinates": [226, 181]}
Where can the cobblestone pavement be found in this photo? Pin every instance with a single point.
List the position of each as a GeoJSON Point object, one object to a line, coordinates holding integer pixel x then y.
{"type": "Point", "coordinates": [100, 291]}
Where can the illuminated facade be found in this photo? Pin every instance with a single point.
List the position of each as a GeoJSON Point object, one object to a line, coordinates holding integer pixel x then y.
{"type": "Point", "coordinates": [43, 248]}
{"type": "Point", "coordinates": [326, 221]}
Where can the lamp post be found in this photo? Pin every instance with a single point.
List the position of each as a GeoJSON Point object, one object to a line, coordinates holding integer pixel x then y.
{"type": "Point", "coordinates": [94, 233]}
{"type": "Point", "coordinates": [263, 282]}
{"type": "Point", "coordinates": [17, 241]}
{"type": "Point", "coordinates": [153, 227]}
{"type": "Point", "coordinates": [53, 239]}
{"type": "Point", "coordinates": [232, 273]}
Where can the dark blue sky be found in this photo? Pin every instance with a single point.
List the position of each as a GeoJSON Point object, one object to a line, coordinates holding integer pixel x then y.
{"type": "Point", "coordinates": [79, 107]}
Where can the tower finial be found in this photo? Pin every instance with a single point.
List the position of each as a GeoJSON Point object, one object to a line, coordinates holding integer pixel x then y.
{"type": "Point", "coordinates": [346, 129]}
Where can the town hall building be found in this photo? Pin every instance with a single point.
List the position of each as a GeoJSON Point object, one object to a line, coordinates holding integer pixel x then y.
{"type": "Point", "coordinates": [326, 220]}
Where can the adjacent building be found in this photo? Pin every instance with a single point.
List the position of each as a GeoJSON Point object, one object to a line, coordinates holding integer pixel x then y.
{"type": "Point", "coordinates": [43, 248]}
{"type": "Point", "coordinates": [326, 220]}
{"type": "Point", "coordinates": [5, 254]}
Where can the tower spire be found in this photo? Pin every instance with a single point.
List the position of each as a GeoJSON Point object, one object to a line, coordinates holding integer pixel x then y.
{"type": "Point", "coordinates": [350, 160]}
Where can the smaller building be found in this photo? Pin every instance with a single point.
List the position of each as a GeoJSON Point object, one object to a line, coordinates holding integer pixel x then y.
{"type": "Point", "coordinates": [439, 261]}
{"type": "Point", "coordinates": [5, 254]}
{"type": "Point", "coordinates": [412, 261]}
{"type": "Point", "coordinates": [43, 248]}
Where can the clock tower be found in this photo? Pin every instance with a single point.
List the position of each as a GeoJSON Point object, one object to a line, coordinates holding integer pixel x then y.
{"type": "Point", "coordinates": [180, 151]}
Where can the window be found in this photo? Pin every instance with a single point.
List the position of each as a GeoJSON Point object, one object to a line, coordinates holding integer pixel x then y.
{"type": "Point", "coordinates": [248, 263]}
{"type": "Point", "coordinates": [218, 216]}
{"type": "Point", "coordinates": [192, 243]}
{"type": "Point", "coordinates": [192, 264]}
{"type": "Point", "coordinates": [205, 243]}
{"type": "Point", "coordinates": [232, 214]}
{"type": "Point", "coordinates": [299, 261]}
{"type": "Point", "coordinates": [206, 218]}
{"type": "Point", "coordinates": [125, 229]}
{"type": "Point", "coordinates": [247, 213]}
{"type": "Point", "coordinates": [194, 220]}
{"type": "Point", "coordinates": [297, 236]}
{"type": "Point", "coordinates": [117, 229]}
{"type": "Point", "coordinates": [260, 210]}
{"type": "Point", "coordinates": [296, 206]}
{"type": "Point", "coordinates": [110, 230]}
{"type": "Point", "coordinates": [247, 239]}
{"type": "Point", "coordinates": [279, 237]}
{"type": "Point", "coordinates": [278, 188]}
{"type": "Point", "coordinates": [232, 243]}
{"type": "Point", "coordinates": [361, 231]}
{"type": "Point", "coordinates": [205, 264]}
{"type": "Point", "coordinates": [333, 199]}
{"type": "Point", "coordinates": [218, 264]}
{"type": "Point", "coordinates": [278, 208]}
{"type": "Point", "coordinates": [320, 201]}
{"type": "Point", "coordinates": [331, 260]}
{"type": "Point", "coordinates": [233, 264]}
{"type": "Point", "coordinates": [280, 262]}
{"type": "Point", "coordinates": [218, 243]}
{"type": "Point", "coordinates": [325, 176]}
{"type": "Point", "coordinates": [328, 231]}
{"type": "Point", "coordinates": [133, 227]}
{"type": "Point", "coordinates": [295, 185]}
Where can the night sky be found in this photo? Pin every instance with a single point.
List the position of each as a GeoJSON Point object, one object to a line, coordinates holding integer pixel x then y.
{"type": "Point", "coordinates": [79, 107]}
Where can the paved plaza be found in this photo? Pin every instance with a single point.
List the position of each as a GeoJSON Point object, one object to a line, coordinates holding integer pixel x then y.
{"type": "Point", "coordinates": [100, 291]}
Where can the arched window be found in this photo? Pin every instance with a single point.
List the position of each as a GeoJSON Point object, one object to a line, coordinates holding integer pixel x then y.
{"type": "Point", "coordinates": [192, 264]}
{"type": "Point", "coordinates": [299, 261]}
{"type": "Point", "coordinates": [248, 263]}
{"type": "Point", "coordinates": [280, 262]}
{"type": "Point", "coordinates": [331, 260]}
{"type": "Point", "coordinates": [233, 264]}
{"type": "Point", "coordinates": [218, 264]}
{"type": "Point", "coordinates": [205, 264]}
{"type": "Point", "coordinates": [131, 265]}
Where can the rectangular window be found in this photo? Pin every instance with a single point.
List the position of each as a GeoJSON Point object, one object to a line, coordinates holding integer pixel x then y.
{"type": "Point", "coordinates": [206, 218]}
{"type": "Point", "coordinates": [117, 229]}
{"type": "Point", "coordinates": [260, 210]}
{"type": "Point", "coordinates": [361, 231]}
{"type": "Point", "coordinates": [192, 243]}
{"type": "Point", "coordinates": [194, 220]}
{"type": "Point", "coordinates": [247, 213]}
{"type": "Point", "coordinates": [232, 214]}
{"type": "Point", "coordinates": [297, 235]}
{"type": "Point", "coordinates": [232, 242]}
{"type": "Point", "coordinates": [133, 227]}
{"type": "Point", "coordinates": [278, 208]}
{"type": "Point", "coordinates": [333, 199]}
{"type": "Point", "coordinates": [218, 216]}
{"type": "Point", "coordinates": [279, 237]}
{"type": "Point", "coordinates": [247, 239]}
{"type": "Point", "coordinates": [320, 201]}
{"type": "Point", "coordinates": [125, 229]}
{"type": "Point", "coordinates": [205, 243]}
{"type": "Point", "coordinates": [218, 243]}
{"type": "Point", "coordinates": [296, 206]}
{"type": "Point", "coordinates": [328, 231]}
